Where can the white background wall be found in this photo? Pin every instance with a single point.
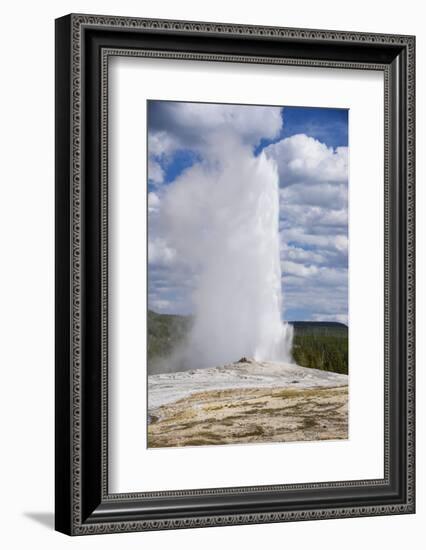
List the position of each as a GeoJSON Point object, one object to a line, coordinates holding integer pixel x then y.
{"type": "Point", "coordinates": [27, 262]}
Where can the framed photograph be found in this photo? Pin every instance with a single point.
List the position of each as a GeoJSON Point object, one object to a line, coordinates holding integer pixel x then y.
{"type": "Point", "coordinates": [234, 274]}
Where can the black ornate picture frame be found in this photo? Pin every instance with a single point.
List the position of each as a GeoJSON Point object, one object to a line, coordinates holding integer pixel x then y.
{"type": "Point", "coordinates": [84, 43]}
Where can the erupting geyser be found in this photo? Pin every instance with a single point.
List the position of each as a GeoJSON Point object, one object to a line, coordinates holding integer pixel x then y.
{"type": "Point", "coordinates": [222, 218]}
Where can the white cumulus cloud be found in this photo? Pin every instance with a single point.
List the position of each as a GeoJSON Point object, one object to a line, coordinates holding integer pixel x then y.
{"type": "Point", "coordinates": [303, 158]}
{"type": "Point", "coordinates": [313, 225]}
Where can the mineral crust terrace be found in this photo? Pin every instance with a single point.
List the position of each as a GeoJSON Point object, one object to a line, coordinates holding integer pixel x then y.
{"type": "Point", "coordinates": [246, 402]}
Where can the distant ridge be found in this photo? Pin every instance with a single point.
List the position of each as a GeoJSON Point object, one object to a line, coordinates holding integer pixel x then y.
{"type": "Point", "coordinates": [297, 324]}
{"type": "Point", "coordinates": [331, 324]}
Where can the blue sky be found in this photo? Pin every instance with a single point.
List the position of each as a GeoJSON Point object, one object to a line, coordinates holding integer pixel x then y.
{"type": "Point", "coordinates": [329, 126]}
{"type": "Point", "coordinates": [310, 148]}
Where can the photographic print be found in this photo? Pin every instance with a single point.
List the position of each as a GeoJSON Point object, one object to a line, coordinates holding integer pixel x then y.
{"type": "Point", "coordinates": [247, 327]}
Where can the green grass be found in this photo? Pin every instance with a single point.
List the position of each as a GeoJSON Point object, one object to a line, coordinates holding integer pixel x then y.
{"type": "Point", "coordinates": [319, 345]}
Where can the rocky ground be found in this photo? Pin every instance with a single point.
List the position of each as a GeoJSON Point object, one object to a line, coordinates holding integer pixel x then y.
{"type": "Point", "coordinates": [246, 402]}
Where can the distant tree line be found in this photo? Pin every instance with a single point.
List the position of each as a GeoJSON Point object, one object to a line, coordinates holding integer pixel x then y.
{"type": "Point", "coordinates": [321, 351]}
{"type": "Point", "coordinates": [318, 345]}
